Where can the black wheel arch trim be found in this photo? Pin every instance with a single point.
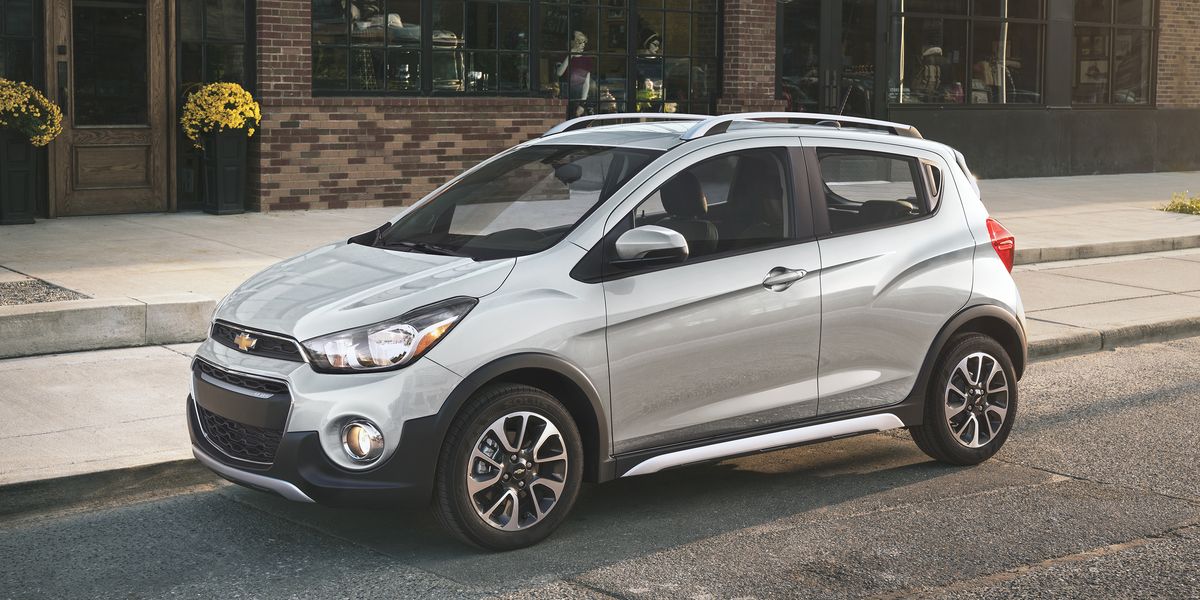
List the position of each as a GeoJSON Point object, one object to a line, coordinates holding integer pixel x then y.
{"type": "Point", "coordinates": [956, 324]}
{"type": "Point", "coordinates": [601, 447]}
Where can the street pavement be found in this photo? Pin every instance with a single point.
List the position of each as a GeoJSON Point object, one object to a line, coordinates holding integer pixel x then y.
{"type": "Point", "coordinates": [1095, 495]}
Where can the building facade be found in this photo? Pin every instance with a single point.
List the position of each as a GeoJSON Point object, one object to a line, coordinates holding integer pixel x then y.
{"type": "Point", "coordinates": [376, 102]}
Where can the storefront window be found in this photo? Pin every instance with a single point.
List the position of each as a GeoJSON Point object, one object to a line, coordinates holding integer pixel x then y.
{"type": "Point", "coordinates": [16, 40]}
{"type": "Point", "coordinates": [982, 52]}
{"type": "Point", "coordinates": [1112, 54]}
{"type": "Point", "coordinates": [602, 56]}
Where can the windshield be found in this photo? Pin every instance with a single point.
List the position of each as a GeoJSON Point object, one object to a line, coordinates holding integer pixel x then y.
{"type": "Point", "coordinates": [519, 204]}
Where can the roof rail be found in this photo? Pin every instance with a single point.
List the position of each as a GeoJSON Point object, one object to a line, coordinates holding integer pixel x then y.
{"type": "Point", "coordinates": [715, 125]}
{"type": "Point", "coordinates": [588, 121]}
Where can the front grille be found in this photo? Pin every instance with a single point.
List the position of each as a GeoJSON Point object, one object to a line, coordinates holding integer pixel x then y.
{"type": "Point", "coordinates": [243, 381]}
{"type": "Point", "coordinates": [245, 442]}
{"type": "Point", "coordinates": [264, 345]}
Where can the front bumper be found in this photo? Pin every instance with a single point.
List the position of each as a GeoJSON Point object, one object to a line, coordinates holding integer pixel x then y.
{"type": "Point", "coordinates": [301, 471]}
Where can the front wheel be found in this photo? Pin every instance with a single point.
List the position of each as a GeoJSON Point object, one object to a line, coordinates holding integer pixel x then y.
{"type": "Point", "coordinates": [510, 468]}
{"type": "Point", "coordinates": [971, 404]}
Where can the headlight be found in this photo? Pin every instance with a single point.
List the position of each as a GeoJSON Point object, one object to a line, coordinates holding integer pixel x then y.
{"type": "Point", "coordinates": [390, 344]}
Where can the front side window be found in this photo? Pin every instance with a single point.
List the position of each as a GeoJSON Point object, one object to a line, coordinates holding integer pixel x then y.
{"type": "Point", "coordinates": [981, 52]}
{"type": "Point", "coordinates": [866, 190]}
{"type": "Point", "coordinates": [730, 203]}
{"type": "Point", "coordinates": [519, 204]}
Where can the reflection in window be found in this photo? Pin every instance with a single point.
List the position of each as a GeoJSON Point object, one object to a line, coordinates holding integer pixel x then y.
{"type": "Point", "coordinates": [16, 40]}
{"type": "Point", "coordinates": [1002, 64]}
{"type": "Point", "coordinates": [998, 70]}
{"type": "Point", "coordinates": [1112, 53]}
{"type": "Point", "coordinates": [110, 62]}
{"type": "Point", "coordinates": [372, 45]}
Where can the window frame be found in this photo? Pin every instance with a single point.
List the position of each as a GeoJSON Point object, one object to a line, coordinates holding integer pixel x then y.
{"type": "Point", "coordinates": [970, 19]}
{"type": "Point", "coordinates": [188, 190]}
{"type": "Point", "coordinates": [1112, 28]}
{"type": "Point", "coordinates": [597, 265]}
{"type": "Point", "coordinates": [534, 52]}
{"type": "Point", "coordinates": [816, 190]}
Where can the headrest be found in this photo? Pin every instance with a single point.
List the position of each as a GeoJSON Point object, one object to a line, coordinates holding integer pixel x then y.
{"type": "Point", "coordinates": [882, 211]}
{"type": "Point", "coordinates": [683, 197]}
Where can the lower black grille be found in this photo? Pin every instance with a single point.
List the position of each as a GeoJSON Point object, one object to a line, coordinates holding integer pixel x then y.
{"type": "Point", "coordinates": [245, 442]}
{"type": "Point", "coordinates": [245, 381]}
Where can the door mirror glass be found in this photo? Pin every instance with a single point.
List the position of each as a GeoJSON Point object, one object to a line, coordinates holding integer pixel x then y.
{"type": "Point", "coordinates": [650, 245]}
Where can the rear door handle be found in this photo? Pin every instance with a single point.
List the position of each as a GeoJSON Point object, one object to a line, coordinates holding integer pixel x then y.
{"type": "Point", "coordinates": [780, 279]}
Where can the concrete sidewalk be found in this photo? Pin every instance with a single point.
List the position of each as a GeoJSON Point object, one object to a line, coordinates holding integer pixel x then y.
{"type": "Point", "coordinates": [89, 412]}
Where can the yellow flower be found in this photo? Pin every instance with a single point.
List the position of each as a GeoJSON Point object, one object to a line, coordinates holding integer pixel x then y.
{"type": "Point", "coordinates": [27, 111]}
{"type": "Point", "coordinates": [219, 106]}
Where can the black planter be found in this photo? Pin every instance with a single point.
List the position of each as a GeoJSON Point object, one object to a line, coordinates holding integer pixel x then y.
{"type": "Point", "coordinates": [225, 172]}
{"type": "Point", "coordinates": [18, 179]}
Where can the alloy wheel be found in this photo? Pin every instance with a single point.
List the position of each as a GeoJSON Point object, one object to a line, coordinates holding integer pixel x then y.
{"type": "Point", "coordinates": [517, 471]}
{"type": "Point", "coordinates": [976, 400]}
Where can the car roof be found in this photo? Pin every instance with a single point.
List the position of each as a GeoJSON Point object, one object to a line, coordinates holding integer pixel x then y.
{"type": "Point", "coordinates": [665, 135]}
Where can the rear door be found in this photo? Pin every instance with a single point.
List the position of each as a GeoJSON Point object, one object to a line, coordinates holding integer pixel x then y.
{"type": "Point", "coordinates": [896, 256]}
{"type": "Point", "coordinates": [703, 348]}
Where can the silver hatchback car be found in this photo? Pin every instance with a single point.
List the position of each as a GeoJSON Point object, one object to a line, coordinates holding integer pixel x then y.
{"type": "Point", "coordinates": [623, 295]}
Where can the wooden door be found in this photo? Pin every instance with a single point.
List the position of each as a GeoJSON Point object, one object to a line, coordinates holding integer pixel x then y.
{"type": "Point", "coordinates": [107, 69]}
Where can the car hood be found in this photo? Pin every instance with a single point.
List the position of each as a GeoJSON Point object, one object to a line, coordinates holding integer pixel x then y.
{"type": "Point", "coordinates": [342, 286]}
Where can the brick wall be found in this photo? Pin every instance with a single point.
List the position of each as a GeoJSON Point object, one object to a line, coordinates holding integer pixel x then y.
{"type": "Point", "coordinates": [1179, 54]}
{"type": "Point", "coordinates": [327, 152]}
{"type": "Point", "coordinates": [749, 68]}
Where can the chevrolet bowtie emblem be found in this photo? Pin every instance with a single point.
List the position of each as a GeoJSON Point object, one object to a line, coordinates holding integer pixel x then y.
{"type": "Point", "coordinates": [245, 342]}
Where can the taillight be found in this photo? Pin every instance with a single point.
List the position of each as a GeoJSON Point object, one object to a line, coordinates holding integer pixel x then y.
{"type": "Point", "coordinates": [1003, 241]}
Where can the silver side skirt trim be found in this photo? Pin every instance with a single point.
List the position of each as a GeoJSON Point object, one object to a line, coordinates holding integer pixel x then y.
{"type": "Point", "coordinates": [766, 441]}
{"type": "Point", "coordinates": [278, 486]}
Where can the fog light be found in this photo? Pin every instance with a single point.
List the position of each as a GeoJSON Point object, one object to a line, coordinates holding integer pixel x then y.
{"type": "Point", "coordinates": [362, 440]}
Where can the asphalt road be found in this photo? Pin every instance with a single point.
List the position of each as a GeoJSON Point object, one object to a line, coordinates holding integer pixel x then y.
{"type": "Point", "coordinates": [1097, 494]}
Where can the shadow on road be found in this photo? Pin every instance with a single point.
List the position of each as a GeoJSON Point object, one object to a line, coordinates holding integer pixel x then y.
{"type": "Point", "coordinates": [634, 517]}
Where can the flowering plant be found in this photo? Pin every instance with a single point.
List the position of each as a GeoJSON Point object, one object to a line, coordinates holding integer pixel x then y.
{"type": "Point", "coordinates": [218, 106]}
{"type": "Point", "coordinates": [27, 111]}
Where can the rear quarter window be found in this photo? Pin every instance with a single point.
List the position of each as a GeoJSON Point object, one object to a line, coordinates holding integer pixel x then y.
{"type": "Point", "coordinates": [867, 190]}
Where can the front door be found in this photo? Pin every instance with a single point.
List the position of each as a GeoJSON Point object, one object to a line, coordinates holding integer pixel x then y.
{"type": "Point", "coordinates": [727, 341]}
{"type": "Point", "coordinates": [107, 71]}
{"type": "Point", "coordinates": [828, 54]}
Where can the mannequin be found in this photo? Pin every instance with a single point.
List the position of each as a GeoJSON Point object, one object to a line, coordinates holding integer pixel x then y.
{"type": "Point", "coordinates": [649, 64]}
{"type": "Point", "coordinates": [929, 78]}
{"type": "Point", "coordinates": [577, 70]}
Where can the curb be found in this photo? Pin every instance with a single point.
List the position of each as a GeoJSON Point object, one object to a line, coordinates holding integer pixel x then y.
{"type": "Point", "coordinates": [91, 489]}
{"type": "Point", "coordinates": [1030, 256]}
{"type": "Point", "coordinates": [1086, 341]}
{"type": "Point", "coordinates": [96, 324]}
{"type": "Point", "coordinates": [176, 476]}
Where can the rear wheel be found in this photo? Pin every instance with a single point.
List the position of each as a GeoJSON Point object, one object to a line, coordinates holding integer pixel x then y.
{"type": "Point", "coordinates": [971, 403]}
{"type": "Point", "coordinates": [510, 468]}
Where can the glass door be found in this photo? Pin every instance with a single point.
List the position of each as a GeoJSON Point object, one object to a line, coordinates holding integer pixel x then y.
{"type": "Point", "coordinates": [108, 76]}
{"type": "Point", "coordinates": [828, 52]}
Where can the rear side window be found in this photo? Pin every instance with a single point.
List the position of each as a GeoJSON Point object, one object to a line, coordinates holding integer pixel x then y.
{"type": "Point", "coordinates": [867, 190]}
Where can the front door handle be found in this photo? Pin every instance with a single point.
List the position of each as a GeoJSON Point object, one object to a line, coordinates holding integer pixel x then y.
{"type": "Point", "coordinates": [780, 279]}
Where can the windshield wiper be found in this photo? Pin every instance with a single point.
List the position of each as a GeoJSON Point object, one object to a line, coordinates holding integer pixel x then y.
{"type": "Point", "coordinates": [420, 247]}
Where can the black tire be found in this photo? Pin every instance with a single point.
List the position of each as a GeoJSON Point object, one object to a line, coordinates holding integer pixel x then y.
{"type": "Point", "coordinates": [455, 506]}
{"type": "Point", "coordinates": [935, 436]}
